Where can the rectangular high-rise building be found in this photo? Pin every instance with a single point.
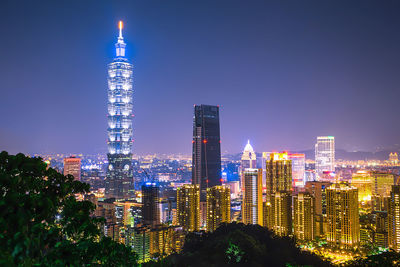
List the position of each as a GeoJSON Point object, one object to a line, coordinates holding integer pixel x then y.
{"type": "Point", "coordinates": [394, 218]}
{"type": "Point", "coordinates": [278, 173]}
{"type": "Point", "coordinates": [72, 166]}
{"type": "Point", "coordinates": [280, 216]}
{"type": "Point", "coordinates": [298, 169]}
{"type": "Point", "coordinates": [206, 157]}
{"type": "Point", "coordinates": [278, 206]}
{"type": "Point", "coordinates": [188, 207]}
{"type": "Point", "coordinates": [318, 191]}
{"type": "Point", "coordinates": [342, 216]}
{"type": "Point", "coordinates": [252, 204]}
{"type": "Point", "coordinates": [363, 181]}
{"type": "Point", "coordinates": [150, 208]}
{"type": "Point", "coordinates": [324, 154]}
{"type": "Point", "coordinates": [382, 183]}
{"type": "Point", "coordinates": [304, 216]}
{"type": "Point", "coordinates": [218, 206]}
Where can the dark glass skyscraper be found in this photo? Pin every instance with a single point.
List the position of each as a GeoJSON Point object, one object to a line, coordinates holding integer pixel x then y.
{"type": "Point", "coordinates": [206, 158]}
{"type": "Point", "coordinates": [119, 175]}
{"type": "Point", "coordinates": [150, 200]}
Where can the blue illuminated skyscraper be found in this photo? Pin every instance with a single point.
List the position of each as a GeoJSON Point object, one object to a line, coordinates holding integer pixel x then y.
{"type": "Point", "coordinates": [119, 175]}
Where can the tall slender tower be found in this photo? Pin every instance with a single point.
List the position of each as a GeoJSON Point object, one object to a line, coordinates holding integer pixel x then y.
{"type": "Point", "coordinates": [324, 154]}
{"type": "Point", "coordinates": [150, 208]}
{"type": "Point", "coordinates": [120, 139]}
{"type": "Point", "coordinates": [206, 170]}
{"type": "Point", "coordinates": [252, 204]}
{"type": "Point", "coordinates": [304, 216]}
{"type": "Point", "coordinates": [278, 207]}
{"type": "Point", "coordinates": [248, 160]}
{"type": "Point", "coordinates": [187, 207]}
{"type": "Point", "coordinates": [394, 218]}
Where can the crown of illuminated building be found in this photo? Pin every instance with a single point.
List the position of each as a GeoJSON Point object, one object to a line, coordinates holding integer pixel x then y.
{"type": "Point", "coordinates": [279, 156]}
{"type": "Point", "coordinates": [248, 152]}
{"type": "Point", "coordinates": [120, 45]}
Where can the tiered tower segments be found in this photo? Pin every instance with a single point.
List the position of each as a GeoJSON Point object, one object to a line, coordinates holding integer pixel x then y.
{"type": "Point", "coordinates": [120, 136]}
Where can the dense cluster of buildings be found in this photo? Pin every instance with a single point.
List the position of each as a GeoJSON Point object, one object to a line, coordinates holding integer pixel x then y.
{"type": "Point", "coordinates": [345, 208]}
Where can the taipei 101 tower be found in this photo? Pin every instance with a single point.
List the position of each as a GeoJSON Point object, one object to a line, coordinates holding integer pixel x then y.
{"type": "Point", "coordinates": [119, 178]}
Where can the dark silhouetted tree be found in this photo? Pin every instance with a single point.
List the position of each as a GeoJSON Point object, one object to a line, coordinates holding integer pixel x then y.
{"type": "Point", "coordinates": [42, 223]}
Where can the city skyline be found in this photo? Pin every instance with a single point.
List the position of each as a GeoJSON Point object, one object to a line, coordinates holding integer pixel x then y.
{"type": "Point", "coordinates": [247, 66]}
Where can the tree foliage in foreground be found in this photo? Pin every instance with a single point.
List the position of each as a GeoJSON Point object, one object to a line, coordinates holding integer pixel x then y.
{"type": "Point", "coordinates": [42, 223]}
{"type": "Point", "coordinates": [240, 244]}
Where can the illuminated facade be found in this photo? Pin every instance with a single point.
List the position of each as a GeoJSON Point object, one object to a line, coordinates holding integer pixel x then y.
{"type": "Point", "coordinates": [304, 216]}
{"type": "Point", "coordinates": [120, 137]}
{"type": "Point", "coordinates": [298, 169]}
{"type": "Point", "coordinates": [280, 217]}
{"type": "Point", "coordinates": [218, 206]}
{"type": "Point", "coordinates": [278, 173]}
{"type": "Point", "coordinates": [139, 240]}
{"type": "Point", "coordinates": [278, 206]}
{"type": "Point", "coordinates": [206, 157]}
{"type": "Point", "coordinates": [188, 209]}
{"type": "Point", "coordinates": [72, 166]}
{"type": "Point", "coordinates": [252, 204]}
{"type": "Point", "coordinates": [248, 160]}
{"type": "Point", "coordinates": [382, 183]}
{"type": "Point", "coordinates": [363, 182]}
{"type": "Point", "coordinates": [318, 190]}
{"type": "Point", "coordinates": [394, 218]}
{"type": "Point", "coordinates": [124, 211]}
{"type": "Point", "coordinates": [343, 216]}
{"type": "Point", "coordinates": [393, 158]}
{"type": "Point", "coordinates": [150, 200]}
{"type": "Point", "coordinates": [165, 240]}
{"type": "Point", "coordinates": [324, 154]}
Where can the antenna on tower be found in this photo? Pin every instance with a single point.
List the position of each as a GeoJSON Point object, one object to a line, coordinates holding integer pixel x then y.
{"type": "Point", "coordinates": [120, 26]}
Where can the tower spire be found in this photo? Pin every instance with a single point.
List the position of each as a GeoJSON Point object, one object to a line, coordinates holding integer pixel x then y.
{"type": "Point", "coordinates": [120, 26]}
{"type": "Point", "coordinates": [120, 45]}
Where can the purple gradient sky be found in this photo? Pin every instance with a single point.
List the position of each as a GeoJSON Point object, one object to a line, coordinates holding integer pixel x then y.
{"type": "Point", "coordinates": [283, 72]}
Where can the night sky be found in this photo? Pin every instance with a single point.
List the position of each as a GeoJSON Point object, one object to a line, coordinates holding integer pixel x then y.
{"type": "Point", "coordinates": [283, 72]}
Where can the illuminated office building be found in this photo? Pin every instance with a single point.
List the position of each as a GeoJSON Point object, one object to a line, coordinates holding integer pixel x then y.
{"type": "Point", "coordinates": [252, 204]}
{"type": "Point", "coordinates": [381, 228]}
{"type": "Point", "coordinates": [394, 218]}
{"type": "Point", "coordinates": [188, 209]}
{"type": "Point", "coordinates": [363, 182]}
{"type": "Point", "coordinates": [277, 209]}
{"type": "Point", "coordinates": [280, 217]}
{"type": "Point", "coordinates": [218, 206]}
{"type": "Point", "coordinates": [298, 169]}
{"type": "Point", "coordinates": [206, 157]}
{"type": "Point", "coordinates": [324, 154]}
{"type": "Point", "coordinates": [150, 200]}
{"type": "Point", "coordinates": [72, 166]}
{"type": "Point", "coordinates": [304, 216]}
{"type": "Point", "coordinates": [278, 173]}
{"type": "Point", "coordinates": [119, 175]}
{"type": "Point", "coordinates": [382, 183]}
{"type": "Point", "coordinates": [248, 160]}
{"type": "Point", "coordinates": [393, 158]}
{"type": "Point", "coordinates": [342, 216]}
{"type": "Point", "coordinates": [318, 190]}
{"type": "Point", "coordinates": [138, 238]}
{"type": "Point", "coordinates": [165, 240]}
{"type": "Point", "coordinates": [125, 211]}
